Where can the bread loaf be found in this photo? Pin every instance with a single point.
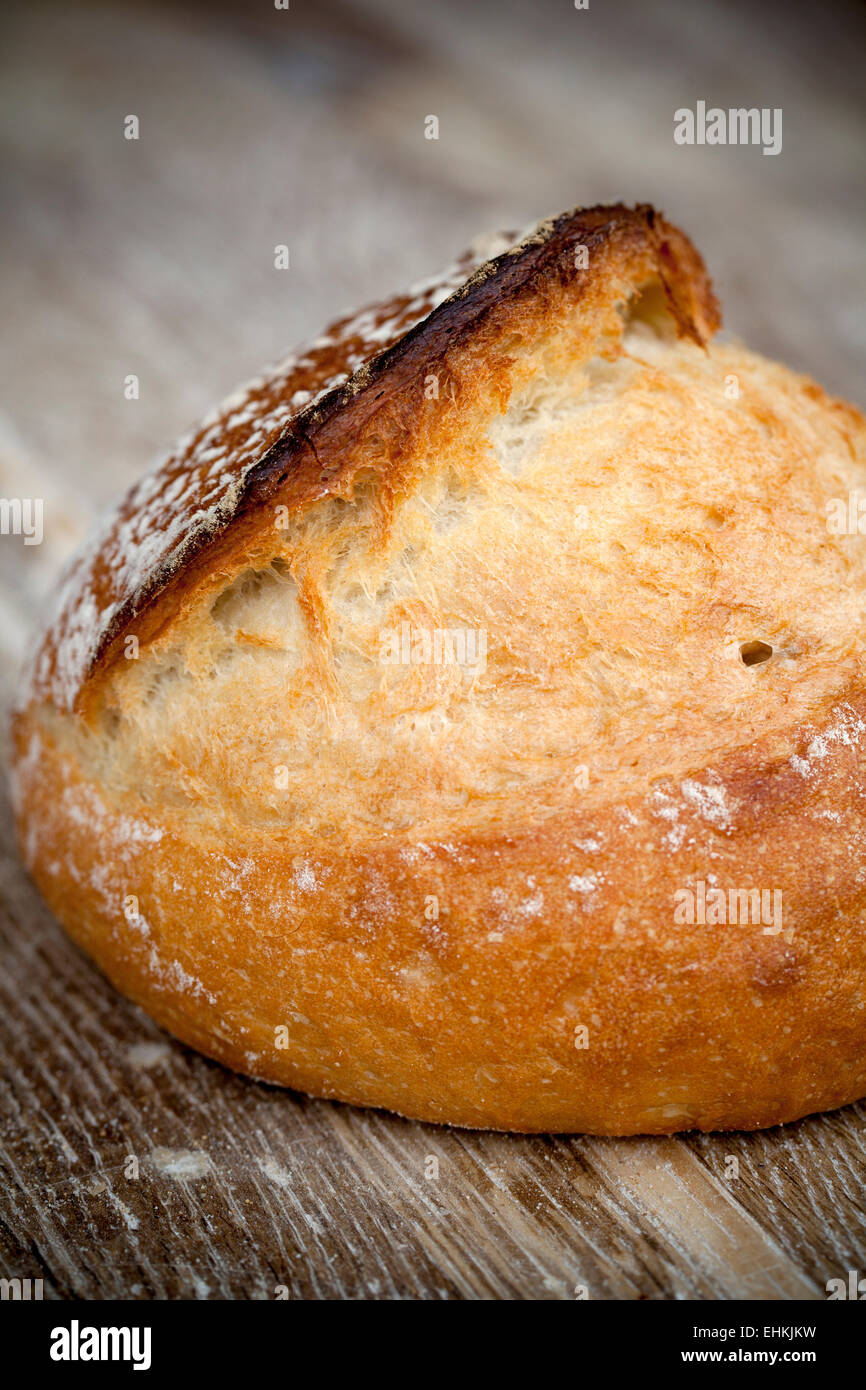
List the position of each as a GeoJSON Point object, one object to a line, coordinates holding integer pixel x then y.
{"type": "Point", "coordinates": [468, 717]}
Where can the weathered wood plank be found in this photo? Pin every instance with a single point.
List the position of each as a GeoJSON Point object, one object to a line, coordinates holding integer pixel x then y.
{"type": "Point", "coordinates": [156, 258]}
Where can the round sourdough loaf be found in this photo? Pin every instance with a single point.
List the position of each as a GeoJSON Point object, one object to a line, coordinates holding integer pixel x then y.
{"type": "Point", "coordinates": [468, 718]}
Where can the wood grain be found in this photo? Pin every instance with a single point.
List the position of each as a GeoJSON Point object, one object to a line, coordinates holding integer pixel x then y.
{"type": "Point", "coordinates": [156, 258]}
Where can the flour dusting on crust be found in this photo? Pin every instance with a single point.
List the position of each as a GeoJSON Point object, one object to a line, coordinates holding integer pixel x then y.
{"type": "Point", "coordinates": [194, 491]}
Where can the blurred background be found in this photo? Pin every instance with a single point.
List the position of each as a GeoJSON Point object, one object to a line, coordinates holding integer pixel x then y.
{"type": "Point", "coordinates": [306, 127]}
{"type": "Point", "coordinates": [154, 258]}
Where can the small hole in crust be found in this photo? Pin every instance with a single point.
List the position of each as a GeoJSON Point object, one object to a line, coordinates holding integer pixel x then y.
{"type": "Point", "coordinates": [753, 653]}
{"type": "Point", "coordinates": [110, 719]}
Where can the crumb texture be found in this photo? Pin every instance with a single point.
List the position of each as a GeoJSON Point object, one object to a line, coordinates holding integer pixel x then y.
{"type": "Point", "coordinates": [601, 560]}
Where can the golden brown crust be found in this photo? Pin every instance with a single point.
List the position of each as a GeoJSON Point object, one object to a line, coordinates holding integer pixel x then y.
{"type": "Point", "coordinates": [493, 959]}
{"type": "Point", "coordinates": [322, 972]}
{"type": "Point", "coordinates": [277, 436]}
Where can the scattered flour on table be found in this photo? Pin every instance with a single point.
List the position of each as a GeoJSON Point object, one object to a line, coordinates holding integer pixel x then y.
{"type": "Point", "coordinates": [145, 1055]}
{"type": "Point", "coordinates": [182, 1164]}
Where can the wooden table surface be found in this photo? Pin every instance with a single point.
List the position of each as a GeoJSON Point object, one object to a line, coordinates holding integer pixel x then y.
{"type": "Point", "coordinates": [131, 1167]}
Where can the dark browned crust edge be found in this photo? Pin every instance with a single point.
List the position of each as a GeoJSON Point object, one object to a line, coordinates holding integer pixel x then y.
{"type": "Point", "coordinates": [297, 463]}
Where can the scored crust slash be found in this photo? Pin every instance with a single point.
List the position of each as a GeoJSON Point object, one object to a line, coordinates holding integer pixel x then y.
{"type": "Point", "coordinates": [460, 889]}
